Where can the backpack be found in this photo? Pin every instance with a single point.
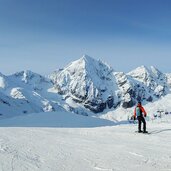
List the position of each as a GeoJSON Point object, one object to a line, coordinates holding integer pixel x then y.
{"type": "Point", "coordinates": [138, 111]}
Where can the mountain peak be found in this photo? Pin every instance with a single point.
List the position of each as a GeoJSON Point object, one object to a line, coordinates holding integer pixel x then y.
{"type": "Point", "coordinates": [86, 57]}
{"type": "Point", "coordinates": [155, 71]}
{"type": "Point", "coordinates": [139, 71]}
{"type": "Point", "coordinates": [142, 68]}
{"type": "Point", "coordinates": [85, 63]}
{"type": "Point", "coordinates": [25, 73]}
{"type": "Point", "coordinates": [26, 76]}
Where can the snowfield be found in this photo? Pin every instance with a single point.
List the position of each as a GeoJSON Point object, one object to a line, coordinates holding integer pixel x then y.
{"type": "Point", "coordinates": [62, 141]}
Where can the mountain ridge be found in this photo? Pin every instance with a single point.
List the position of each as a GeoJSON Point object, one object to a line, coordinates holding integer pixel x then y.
{"type": "Point", "coordinates": [83, 86]}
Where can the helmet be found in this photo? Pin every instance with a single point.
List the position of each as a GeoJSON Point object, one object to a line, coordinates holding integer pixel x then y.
{"type": "Point", "coordinates": [139, 103]}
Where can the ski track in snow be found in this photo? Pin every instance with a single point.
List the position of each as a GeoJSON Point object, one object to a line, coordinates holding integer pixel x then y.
{"type": "Point", "coordinates": [104, 149]}
{"type": "Point", "coordinates": [135, 154]}
{"type": "Point", "coordinates": [109, 148]}
{"type": "Point", "coordinates": [102, 169]}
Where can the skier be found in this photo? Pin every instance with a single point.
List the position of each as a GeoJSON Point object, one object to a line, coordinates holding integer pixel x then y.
{"type": "Point", "coordinates": [138, 112]}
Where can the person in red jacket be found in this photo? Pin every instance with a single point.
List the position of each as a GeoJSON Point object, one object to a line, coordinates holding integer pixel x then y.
{"type": "Point", "coordinates": [140, 113]}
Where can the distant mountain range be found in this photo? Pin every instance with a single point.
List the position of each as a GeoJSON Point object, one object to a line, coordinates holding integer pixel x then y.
{"type": "Point", "coordinates": [84, 86]}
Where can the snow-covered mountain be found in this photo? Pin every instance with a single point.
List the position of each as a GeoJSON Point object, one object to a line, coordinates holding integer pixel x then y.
{"type": "Point", "coordinates": [84, 86]}
{"type": "Point", "coordinates": [154, 80]}
{"type": "Point", "coordinates": [97, 86]}
{"type": "Point", "coordinates": [87, 81]}
{"type": "Point", "coordinates": [25, 92]}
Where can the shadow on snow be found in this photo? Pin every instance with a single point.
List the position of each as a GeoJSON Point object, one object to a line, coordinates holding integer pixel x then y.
{"type": "Point", "coordinates": [58, 120]}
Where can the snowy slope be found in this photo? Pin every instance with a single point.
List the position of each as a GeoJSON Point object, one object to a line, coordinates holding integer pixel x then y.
{"type": "Point", "coordinates": [26, 92]}
{"type": "Point", "coordinates": [158, 107]}
{"type": "Point", "coordinates": [55, 119]}
{"type": "Point", "coordinates": [71, 143]}
{"type": "Point", "coordinates": [13, 100]}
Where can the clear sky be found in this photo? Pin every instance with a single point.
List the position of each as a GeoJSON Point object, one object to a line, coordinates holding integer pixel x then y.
{"type": "Point", "coordinates": [44, 35]}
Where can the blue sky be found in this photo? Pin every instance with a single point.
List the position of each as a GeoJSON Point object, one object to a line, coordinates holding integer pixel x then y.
{"type": "Point", "coordinates": [44, 35]}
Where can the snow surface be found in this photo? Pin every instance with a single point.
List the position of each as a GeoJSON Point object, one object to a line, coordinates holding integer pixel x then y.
{"type": "Point", "coordinates": [68, 142]}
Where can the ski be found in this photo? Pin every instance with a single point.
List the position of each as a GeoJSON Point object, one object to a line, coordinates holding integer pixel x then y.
{"type": "Point", "coordinates": [142, 132]}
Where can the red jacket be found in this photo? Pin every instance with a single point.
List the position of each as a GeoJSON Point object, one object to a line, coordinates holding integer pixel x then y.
{"type": "Point", "coordinates": [142, 109]}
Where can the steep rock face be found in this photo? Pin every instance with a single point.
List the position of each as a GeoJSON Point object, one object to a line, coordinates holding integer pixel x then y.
{"type": "Point", "coordinates": [126, 90]}
{"type": "Point", "coordinates": [150, 83]}
{"type": "Point", "coordinates": [97, 86]}
{"type": "Point", "coordinates": [87, 81]}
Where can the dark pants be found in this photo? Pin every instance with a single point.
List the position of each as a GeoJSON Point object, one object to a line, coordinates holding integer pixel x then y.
{"type": "Point", "coordinates": [141, 119]}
